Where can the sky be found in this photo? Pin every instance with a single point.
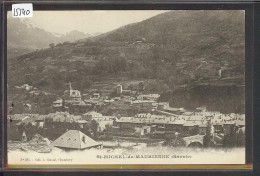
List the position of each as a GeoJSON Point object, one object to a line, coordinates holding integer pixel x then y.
{"type": "Point", "coordinates": [89, 21]}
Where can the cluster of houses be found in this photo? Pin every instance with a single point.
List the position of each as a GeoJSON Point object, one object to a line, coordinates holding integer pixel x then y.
{"type": "Point", "coordinates": [135, 100]}
{"type": "Point", "coordinates": [142, 125]}
{"type": "Point", "coordinates": [185, 125]}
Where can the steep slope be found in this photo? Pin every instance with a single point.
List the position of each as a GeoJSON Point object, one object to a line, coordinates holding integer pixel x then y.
{"type": "Point", "coordinates": [197, 33]}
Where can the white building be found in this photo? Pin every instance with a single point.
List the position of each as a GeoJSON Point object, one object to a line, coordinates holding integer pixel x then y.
{"type": "Point", "coordinates": [90, 115]}
{"type": "Point", "coordinates": [57, 103]}
{"type": "Point", "coordinates": [152, 97]}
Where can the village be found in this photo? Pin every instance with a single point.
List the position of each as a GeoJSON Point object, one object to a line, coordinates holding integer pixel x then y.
{"type": "Point", "coordinates": [149, 122]}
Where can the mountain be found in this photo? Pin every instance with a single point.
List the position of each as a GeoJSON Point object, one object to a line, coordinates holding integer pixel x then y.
{"type": "Point", "coordinates": [187, 38]}
{"type": "Point", "coordinates": [97, 33]}
{"type": "Point", "coordinates": [75, 35]}
{"type": "Point", "coordinates": [169, 25]}
{"type": "Point", "coordinates": [173, 50]}
{"type": "Point", "coordinates": [24, 36]}
{"type": "Point", "coordinates": [193, 32]}
{"type": "Point", "coordinates": [23, 32]}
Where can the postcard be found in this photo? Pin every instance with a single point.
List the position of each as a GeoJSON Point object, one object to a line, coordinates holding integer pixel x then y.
{"type": "Point", "coordinates": [97, 87]}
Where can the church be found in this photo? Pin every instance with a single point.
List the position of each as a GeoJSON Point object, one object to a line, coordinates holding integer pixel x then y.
{"type": "Point", "coordinates": [72, 96]}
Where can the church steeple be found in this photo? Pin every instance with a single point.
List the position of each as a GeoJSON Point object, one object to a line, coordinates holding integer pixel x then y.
{"type": "Point", "coordinates": [70, 88]}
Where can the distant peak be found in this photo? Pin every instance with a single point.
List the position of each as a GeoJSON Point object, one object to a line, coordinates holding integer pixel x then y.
{"type": "Point", "coordinates": [29, 23]}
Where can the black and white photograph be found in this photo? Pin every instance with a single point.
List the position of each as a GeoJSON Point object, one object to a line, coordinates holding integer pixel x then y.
{"type": "Point", "coordinates": [90, 87]}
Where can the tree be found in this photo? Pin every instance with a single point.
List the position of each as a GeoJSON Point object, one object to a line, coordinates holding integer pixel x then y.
{"type": "Point", "coordinates": [108, 127]}
{"type": "Point", "coordinates": [51, 45]}
{"type": "Point", "coordinates": [94, 126]}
